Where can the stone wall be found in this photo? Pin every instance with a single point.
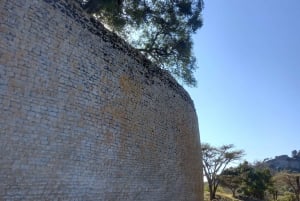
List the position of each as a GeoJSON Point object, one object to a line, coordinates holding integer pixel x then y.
{"type": "Point", "coordinates": [83, 116]}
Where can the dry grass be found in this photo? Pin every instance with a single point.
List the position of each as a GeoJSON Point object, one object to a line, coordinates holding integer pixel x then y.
{"type": "Point", "coordinates": [222, 194]}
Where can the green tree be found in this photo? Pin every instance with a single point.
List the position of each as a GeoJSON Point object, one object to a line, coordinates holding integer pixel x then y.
{"type": "Point", "coordinates": [256, 181]}
{"type": "Point", "coordinates": [160, 29]}
{"type": "Point", "coordinates": [231, 179]}
{"type": "Point", "coordinates": [215, 160]}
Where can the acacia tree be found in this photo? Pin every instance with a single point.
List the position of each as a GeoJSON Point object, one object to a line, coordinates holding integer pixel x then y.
{"type": "Point", "coordinates": [215, 160]}
{"type": "Point", "coordinates": [231, 179]}
{"type": "Point", "coordinates": [160, 29]}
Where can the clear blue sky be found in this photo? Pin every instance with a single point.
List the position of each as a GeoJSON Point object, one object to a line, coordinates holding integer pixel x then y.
{"type": "Point", "coordinates": [248, 90]}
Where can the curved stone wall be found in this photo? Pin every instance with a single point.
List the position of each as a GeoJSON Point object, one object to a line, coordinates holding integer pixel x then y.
{"type": "Point", "coordinates": [83, 116]}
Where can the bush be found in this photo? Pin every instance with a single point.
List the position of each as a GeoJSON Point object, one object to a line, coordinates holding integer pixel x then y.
{"type": "Point", "coordinates": [287, 196]}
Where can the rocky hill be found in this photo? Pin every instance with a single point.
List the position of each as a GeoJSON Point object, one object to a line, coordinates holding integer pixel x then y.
{"type": "Point", "coordinates": [284, 162]}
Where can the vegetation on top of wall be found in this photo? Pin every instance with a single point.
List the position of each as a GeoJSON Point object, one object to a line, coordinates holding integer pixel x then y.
{"type": "Point", "coordinates": [161, 30]}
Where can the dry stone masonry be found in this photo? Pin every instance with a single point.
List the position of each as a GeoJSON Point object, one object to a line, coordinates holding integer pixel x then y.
{"type": "Point", "coordinates": [83, 116]}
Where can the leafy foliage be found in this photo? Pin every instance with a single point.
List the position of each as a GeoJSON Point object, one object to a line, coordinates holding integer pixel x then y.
{"type": "Point", "coordinates": [231, 179]}
{"type": "Point", "coordinates": [249, 180]}
{"type": "Point", "coordinates": [255, 180]}
{"type": "Point", "coordinates": [160, 29]}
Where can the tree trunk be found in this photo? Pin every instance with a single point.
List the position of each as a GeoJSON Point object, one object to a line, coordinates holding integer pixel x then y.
{"type": "Point", "coordinates": [233, 193]}
{"type": "Point", "coordinates": [212, 192]}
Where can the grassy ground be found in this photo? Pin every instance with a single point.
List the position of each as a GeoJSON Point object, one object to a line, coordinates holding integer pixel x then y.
{"type": "Point", "coordinates": [222, 194]}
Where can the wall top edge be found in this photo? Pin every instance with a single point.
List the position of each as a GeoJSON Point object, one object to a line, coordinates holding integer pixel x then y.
{"type": "Point", "coordinates": [72, 9]}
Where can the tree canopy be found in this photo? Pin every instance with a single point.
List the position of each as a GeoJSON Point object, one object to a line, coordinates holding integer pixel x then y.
{"type": "Point", "coordinates": [231, 178]}
{"type": "Point", "coordinates": [249, 180]}
{"type": "Point", "coordinates": [256, 180]}
{"type": "Point", "coordinates": [161, 29]}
